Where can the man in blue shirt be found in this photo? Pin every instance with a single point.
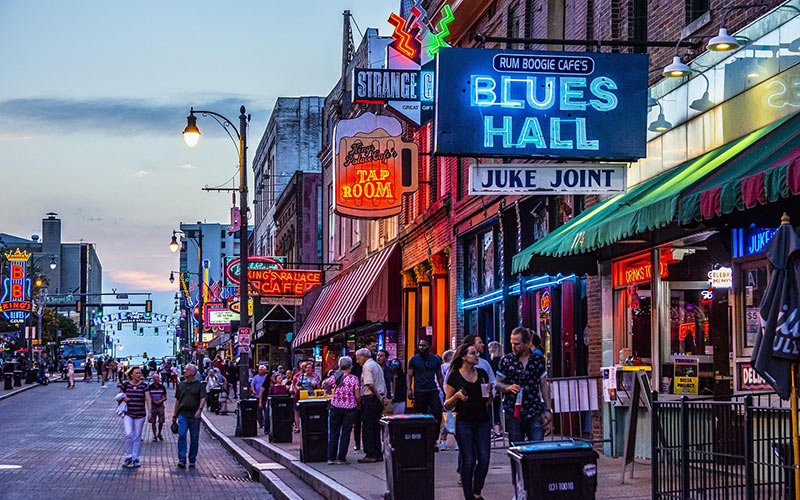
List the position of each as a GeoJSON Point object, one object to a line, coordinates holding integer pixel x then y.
{"type": "Point", "coordinates": [255, 388]}
{"type": "Point", "coordinates": [424, 370]}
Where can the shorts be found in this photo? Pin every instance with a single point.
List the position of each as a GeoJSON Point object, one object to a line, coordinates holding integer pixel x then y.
{"type": "Point", "coordinates": [157, 413]}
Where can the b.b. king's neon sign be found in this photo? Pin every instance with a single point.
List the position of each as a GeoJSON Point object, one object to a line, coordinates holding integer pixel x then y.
{"type": "Point", "coordinates": [540, 104]}
{"type": "Point", "coordinates": [16, 301]}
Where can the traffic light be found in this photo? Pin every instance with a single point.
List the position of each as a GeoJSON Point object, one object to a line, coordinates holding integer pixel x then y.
{"type": "Point", "coordinates": [141, 332]}
{"type": "Point", "coordinates": [119, 325]}
{"type": "Point", "coordinates": [155, 332]}
{"type": "Point", "coordinates": [78, 306]}
{"type": "Point", "coordinates": [99, 312]}
{"type": "Point", "coordinates": [39, 281]}
{"type": "Point", "coordinates": [148, 306]}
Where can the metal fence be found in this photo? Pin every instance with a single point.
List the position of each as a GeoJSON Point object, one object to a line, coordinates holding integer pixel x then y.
{"type": "Point", "coordinates": [739, 448]}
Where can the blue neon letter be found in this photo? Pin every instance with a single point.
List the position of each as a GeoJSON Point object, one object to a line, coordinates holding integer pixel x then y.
{"type": "Point", "coordinates": [505, 97]}
{"type": "Point", "coordinates": [555, 135]}
{"type": "Point", "coordinates": [568, 94]}
{"type": "Point", "coordinates": [606, 100]}
{"type": "Point", "coordinates": [489, 131]}
{"type": "Point", "coordinates": [483, 91]}
{"type": "Point", "coordinates": [549, 94]}
{"type": "Point", "coordinates": [580, 134]}
{"type": "Point", "coordinates": [531, 134]}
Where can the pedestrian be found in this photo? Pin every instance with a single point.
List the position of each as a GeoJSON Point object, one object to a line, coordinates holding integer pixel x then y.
{"type": "Point", "coordinates": [373, 397]}
{"type": "Point", "coordinates": [257, 390]}
{"type": "Point", "coordinates": [399, 385]}
{"type": "Point", "coordinates": [372, 345]}
{"type": "Point", "coordinates": [495, 354]}
{"type": "Point", "coordinates": [382, 358]}
{"type": "Point", "coordinates": [424, 370]}
{"type": "Point", "coordinates": [62, 367]}
{"type": "Point", "coordinates": [166, 372]}
{"type": "Point", "coordinates": [158, 397]}
{"type": "Point", "coordinates": [87, 370]}
{"type": "Point", "coordinates": [304, 380]}
{"type": "Point", "coordinates": [190, 398]}
{"type": "Point", "coordinates": [98, 366]}
{"type": "Point", "coordinates": [346, 397]}
{"type": "Point", "coordinates": [357, 419]}
{"type": "Point", "coordinates": [174, 376]}
{"type": "Point", "coordinates": [137, 399]}
{"type": "Point", "coordinates": [105, 367]}
{"type": "Point", "coordinates": [483, 363]}
{"type": "Point", "coordinates": [233, 377]}
{"type": "Point", "coordinates": [449, 426]}
{"type": "Point", "coordinates": [523, 370]}
{"type": "Point", "coordinates": [70, 374]}
{"type": "Point", "coordinates": [152, 365]}
{"type": "Point", "coordinates": [224, 396]}
{"type": "Point", "coordinates": [213, 388]}
{"type": "Point", "coordinates": [468, 393]}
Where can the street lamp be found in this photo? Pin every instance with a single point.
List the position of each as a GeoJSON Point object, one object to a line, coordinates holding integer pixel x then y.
{"type": "Point", "coordinates": [42, 294]}
{"type": "Point", "coordinates": [174, 245]}
{"type": "Point", "coordinates": [191, 135]}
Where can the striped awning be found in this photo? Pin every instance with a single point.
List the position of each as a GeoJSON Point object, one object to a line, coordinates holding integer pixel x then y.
{"type": "Point", "coordinates": [339, 302]}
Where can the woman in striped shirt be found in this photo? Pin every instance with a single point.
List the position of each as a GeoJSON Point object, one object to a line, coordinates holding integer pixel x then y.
{"type": "Point", "coordinates": [138, 402]}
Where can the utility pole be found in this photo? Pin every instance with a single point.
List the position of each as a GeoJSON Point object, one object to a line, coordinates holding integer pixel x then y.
{"type": "Point", "coordinates": [244, 301]}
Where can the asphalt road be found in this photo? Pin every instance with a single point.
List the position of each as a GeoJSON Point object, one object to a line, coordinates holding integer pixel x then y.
{"type": "Point", "coordinates": [69, 444]}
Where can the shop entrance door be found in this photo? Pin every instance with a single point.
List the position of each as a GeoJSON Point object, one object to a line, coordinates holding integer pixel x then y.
{"type": "Point", "coordinates": [698, 328]}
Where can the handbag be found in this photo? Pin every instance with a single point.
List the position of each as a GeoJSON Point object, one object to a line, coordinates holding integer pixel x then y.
{"type": "Point", "coordinates": [174, 427]}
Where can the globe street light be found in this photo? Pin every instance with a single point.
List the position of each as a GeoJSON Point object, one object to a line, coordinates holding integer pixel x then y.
{"type": "Point", "coordinates": [191, 135]}
{"type": "Point", "coordinates": [174, 245]}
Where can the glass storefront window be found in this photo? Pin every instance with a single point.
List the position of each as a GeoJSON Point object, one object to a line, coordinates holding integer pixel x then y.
{"type": "Point", "coordinates": [487, 261]}
{"type": "Point", "coordinates": [754, 284]}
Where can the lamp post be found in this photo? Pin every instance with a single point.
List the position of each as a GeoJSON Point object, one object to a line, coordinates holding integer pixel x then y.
{"type": "Point", "coordinates": [41, 296]}
{"type": "Point", "coordinates": [191, 135]}
{"type": "Point", "coordinates": [173, 247]}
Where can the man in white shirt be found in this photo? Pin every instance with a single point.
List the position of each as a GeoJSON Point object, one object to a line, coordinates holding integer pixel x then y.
{"type": "Point", "coordinates": [373, 397]}
{"type": "Point", "coordinates": [483, 363]}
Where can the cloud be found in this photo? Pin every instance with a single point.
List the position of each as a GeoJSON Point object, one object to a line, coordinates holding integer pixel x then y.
{"type": "Point", "coordinates": [142, 280]}
{"type": "Point", "coordinates": [15, 137]}
{"type": "Point", "coordinates": [141, 173]}
{"type": "Point", "coordinates": [187, 166]}
{"type": "Point", "coordinates": [114, 116]}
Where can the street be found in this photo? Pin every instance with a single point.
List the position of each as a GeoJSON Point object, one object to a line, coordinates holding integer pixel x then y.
{"type": "Point", "coordinates": [69, 444]}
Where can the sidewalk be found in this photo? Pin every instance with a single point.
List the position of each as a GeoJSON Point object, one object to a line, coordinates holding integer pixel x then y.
{"type": "Point", "coordinates": [368, 480]}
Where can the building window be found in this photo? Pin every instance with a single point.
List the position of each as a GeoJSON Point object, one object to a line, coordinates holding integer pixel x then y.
{"type": "Point", "coordinates": [356, 231]}
{"type": "Point", "coordinates": [694, 9]}
{"type": "Point", "coordinates": [319, 224]}
{"type": "Point", "coordinates": [222, 244]}
{"type": "Point", "coordinates": [342, 236]}
{"type": "Point", "coordinates": [331, 224]}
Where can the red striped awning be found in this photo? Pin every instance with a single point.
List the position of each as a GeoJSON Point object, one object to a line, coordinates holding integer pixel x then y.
{"type": "Point", "coordinates": [339, 302]}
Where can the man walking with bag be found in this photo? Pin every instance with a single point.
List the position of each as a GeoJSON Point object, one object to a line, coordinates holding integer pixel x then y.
{"type": "Point", "coordinates": [190, 398]}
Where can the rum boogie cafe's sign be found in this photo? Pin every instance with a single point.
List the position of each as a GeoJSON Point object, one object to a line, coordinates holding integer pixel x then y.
{"type": "Point", "coordinates": [552, 178]}
{"type": "Point", "coordinates": [374, 166]}
{"type": "Point", "coordinates": [519, 104]}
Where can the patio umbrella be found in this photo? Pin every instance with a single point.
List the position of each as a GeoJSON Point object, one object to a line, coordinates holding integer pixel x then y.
{"type": "Point", "coordinates": [777, 347]}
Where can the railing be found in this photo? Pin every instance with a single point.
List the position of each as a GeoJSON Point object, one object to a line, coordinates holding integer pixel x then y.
{"type": "Point", "coordinates": [576, 404]}
{"type": "Point", "coordinates": [739, 448]}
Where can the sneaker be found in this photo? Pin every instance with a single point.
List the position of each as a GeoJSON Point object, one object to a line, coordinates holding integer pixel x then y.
{"type": "Point", "coordinates": [136, 463]}
{"type": "Point", "coordinates": [126, 463]}
{"type": "Point", "coordinates": [155, 439]}
{"type": "Point", "coordinates": [160, 437]}
{"type": "Point", "coordinates": [342, 462]}
{"type": "Point", "coordinates": [182, 465]}
{"type": "Point", "coordinates": [330, 462]}
{"type": "Point", "coordinates": [443, 446]}
{"type": "Point", "coordinates": [367, 460]}
{"type": "Point", "coordinates": [192, 465]}
{"type": "Point", "coordinates": [357, 447]}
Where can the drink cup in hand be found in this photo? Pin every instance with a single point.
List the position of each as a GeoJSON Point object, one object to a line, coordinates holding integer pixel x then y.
{"type": "Point", "coordinates": [485, 390]}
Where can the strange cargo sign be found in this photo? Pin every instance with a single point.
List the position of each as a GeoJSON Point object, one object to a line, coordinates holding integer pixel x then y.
{"type": "Point", "coordinates": [552, 178]}
{"type": "Point", "coordinates": [374, 167]}
{"type": "Point", "coordinates": [519, 104]}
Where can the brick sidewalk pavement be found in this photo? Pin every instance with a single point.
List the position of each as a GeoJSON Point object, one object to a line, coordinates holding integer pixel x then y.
{"type": "Point", "coordinates": [69, 444]}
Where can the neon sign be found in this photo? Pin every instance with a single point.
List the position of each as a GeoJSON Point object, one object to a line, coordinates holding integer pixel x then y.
{"type": "Point", "coordinates": [217, 314]}
{"type": "Point", "coordinates": [442, 30]}
{"type": "Point", "coordinates": [383, 85]}
{"type": "Point", "coordinates": [721, 278]}
{"type": "Point", "coordinates": [374, 166]}
{"type": "Point", "coordinates": [16, 301]}
{"type": "Point", "coordinates": [540, 104]}
{"type": "Point", "coordinates": [751, 240]}
{"type": "Point", "coordinates": [639, 269]}
{"type": "Point", "coordinates": [271, 282]}
{"type": "Point", "coordinates": [402, 37]}
{"type": "Point", "coordinates": [232, 267]}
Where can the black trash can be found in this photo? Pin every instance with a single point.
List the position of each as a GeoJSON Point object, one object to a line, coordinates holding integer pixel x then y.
{"type": "Point", "coordinates": [17, 378]}
{"type": "Point", "coordinates": [550, 470]}
{"type": "Point", "coordinates": [281, 416]}
{"type": "Point", "coordinates": [313, 430]}
{"type": "Point", "coordinates": [31, 375]}
{"type": "Point", "coordinates": [408, 442]}
{"type": "Point", "coordinates": [248, 417]}
{"type": "Point", "coordinates": [8, 381]}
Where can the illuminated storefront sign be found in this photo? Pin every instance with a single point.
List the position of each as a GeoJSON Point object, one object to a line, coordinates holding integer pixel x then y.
{"type": "Point", "coordinates": [749, 379]}
{"type": "Point", "coordinates": [721, 278]}
{"type": "Point", "coordinates": [509, 179]}
{"type": "Point", "coordinates": [383, 85]}
{"type": "Point", "coordinates": [509, 103]}
{"type": "Point", "coordinates": [374, 167]}
{"type": "Point", "coordinates": [135, 317]}
{"type": "Point", "coordinates": [751, 240]}
{"type": "Point", "coordinates": [217, 314]}
{"type": "Point", "coordinates": [544, 302]}
{"type": "Point", "coordinates": [232, 267]}
{"type": "Point", "coordinates": [16, 301]}
{"type": "Point", "coordinates": [267, 282]}
{"type": "Point", "coordinates": [639, 269]}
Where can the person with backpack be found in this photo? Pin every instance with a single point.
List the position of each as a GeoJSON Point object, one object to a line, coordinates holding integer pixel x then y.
{"type": "Point", "coordinates": [345, 400]}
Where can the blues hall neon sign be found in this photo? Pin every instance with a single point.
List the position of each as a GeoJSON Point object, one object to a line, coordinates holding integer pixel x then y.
{"type": "Point", "coordinates": [544, 104]}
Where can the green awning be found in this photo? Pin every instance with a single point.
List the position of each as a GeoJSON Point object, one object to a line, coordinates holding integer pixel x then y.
{"type": "Point", "coordinates": [654, 203]}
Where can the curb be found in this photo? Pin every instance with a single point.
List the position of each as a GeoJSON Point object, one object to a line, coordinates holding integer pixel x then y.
{"type": "Point", "coordinates": [324, 485]}
{"type": "Point", "coordinates": [261, 472]}
{"type": "Point", "coordinates": [17, 391]}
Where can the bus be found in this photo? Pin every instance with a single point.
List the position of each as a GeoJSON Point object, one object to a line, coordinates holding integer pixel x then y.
{"type": "Point", "coordinates": [78, 349]}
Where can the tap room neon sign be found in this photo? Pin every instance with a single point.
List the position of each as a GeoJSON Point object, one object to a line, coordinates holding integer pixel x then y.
{"type": "Point", "coordinates": [16, 301]}
{"type": "Point", "coordinates": [506, 103]}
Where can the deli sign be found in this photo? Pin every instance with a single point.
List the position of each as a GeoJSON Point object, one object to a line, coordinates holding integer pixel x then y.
{"type": "Point", "coordinates": [750, 380]}
{"type": "Point", "coordinates": [374, 167]}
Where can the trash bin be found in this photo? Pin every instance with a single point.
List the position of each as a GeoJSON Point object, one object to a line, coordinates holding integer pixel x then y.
{"type": "Point", "coordinates": [550, 470]}
{"type": "Point", "coordinates": [313, 430]}
{"type": "Point", "coordinates": [30, 375]}
{"type": "Point", "coordinates": [281, 416]}
{"type": "Point", "coordinates": [408, 442]}
{"type": "Point", "coordinates": [248, 417]}
{"type": "Point", "coordinates": [17, 378]}
{"type": "Point", "coordinates": [8, 381]}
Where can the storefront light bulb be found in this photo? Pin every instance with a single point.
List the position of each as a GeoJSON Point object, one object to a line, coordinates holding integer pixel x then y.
{"type": "Point", "coordinates": [722, 42]}
{"type": "Point", "coordinates": [676, 68]}
{"type": "Point", "coordinates": [660, 125]}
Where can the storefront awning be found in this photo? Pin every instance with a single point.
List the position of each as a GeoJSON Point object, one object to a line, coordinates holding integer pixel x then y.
{"type": "Point", "coordinates": [343, 298]}
{"type": "Point", "coordinates": [693, 186]}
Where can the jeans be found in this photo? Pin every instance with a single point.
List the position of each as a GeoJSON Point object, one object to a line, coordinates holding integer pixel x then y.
{"type": "Point", "coordinates": [474, 442]}
{"type": "Point", "coordinates": [133, 436]}
{"type": "Point", "coordinates": [193, 426]}
{"type": "Point", "coordinates": [371, 410]}
{"type": "Point", "coordinates": [340, 423]}
{"type": "Point", "coordinates": [429, 402]}
{"type": "Point", "coordinates": [357, 428]}
{"type": "Point", "coordinates": [524, 430]}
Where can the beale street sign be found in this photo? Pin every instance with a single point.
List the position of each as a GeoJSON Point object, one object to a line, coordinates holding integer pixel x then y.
{"type": "Point", "coordinates": [551, 178]}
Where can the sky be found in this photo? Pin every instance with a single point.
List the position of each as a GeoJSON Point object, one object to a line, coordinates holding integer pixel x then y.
{"type": "Point", "coordinates": [94, 95]}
